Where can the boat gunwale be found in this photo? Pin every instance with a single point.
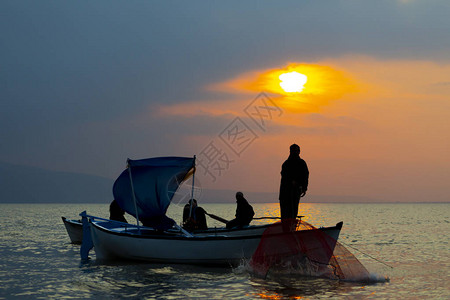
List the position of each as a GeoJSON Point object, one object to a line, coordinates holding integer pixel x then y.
{"type": "Point", "coordinates": [174, 236]}
{"type": "Point", "coordinates": [179, 236]}
{"type": "Point", "coordinates": [71, 221]}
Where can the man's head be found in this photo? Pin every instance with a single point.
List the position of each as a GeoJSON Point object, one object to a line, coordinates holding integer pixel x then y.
{"type": "Point", "coordinates": [295, 149]}
{"type": "Point", "coordinates": [239, 195]}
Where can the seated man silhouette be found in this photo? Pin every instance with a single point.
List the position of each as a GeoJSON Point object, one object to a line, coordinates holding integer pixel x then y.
{"type": "Point", "coordinates": [160, 223]}
{"type": "Point", "coordinates": [244, 212]}
{"type": "Point", "coordinates": [194, 217]}
{"type": "Point", "coordinates": [116, 213]}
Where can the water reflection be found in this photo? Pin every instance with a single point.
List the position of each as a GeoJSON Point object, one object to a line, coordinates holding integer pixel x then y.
{"type": "Point", "coordinates": [297, 287]}
{"type": "Point", "coordinates": [317, 214]}
{"type": "Point", "coordinates": [156, 280]}
{"type": "Point", "coordinates": [141, 280]}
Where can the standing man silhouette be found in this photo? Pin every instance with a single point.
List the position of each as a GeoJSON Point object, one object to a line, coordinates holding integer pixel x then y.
{"type": "Point", "coordinates": [294, 183]}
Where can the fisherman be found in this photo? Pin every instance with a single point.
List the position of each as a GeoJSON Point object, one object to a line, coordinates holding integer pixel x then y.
{"type": "Point", "coordinates": [116, 213]}
{"type": "Point", "coordinates": [194, 217]}
{"type": "Point", "coordinates": [160, 223]}
{"type": "Point", "coordinates": [244, 212]}
{"type": "Point", "coordinates": [294, 183]}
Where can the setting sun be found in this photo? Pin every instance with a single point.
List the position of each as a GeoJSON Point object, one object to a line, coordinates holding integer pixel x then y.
{"type": "Point", "coordinates": [296, 87]}
{"type": "Point", "coordinates": [292, 82]}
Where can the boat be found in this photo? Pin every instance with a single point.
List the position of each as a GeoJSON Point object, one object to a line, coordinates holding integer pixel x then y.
{"type": "Point", "coordinates": [74, 230]}
{"type": "Point", "coordinates": [144, 190]}
{"type": "Point", "coordinates": [115, 241]}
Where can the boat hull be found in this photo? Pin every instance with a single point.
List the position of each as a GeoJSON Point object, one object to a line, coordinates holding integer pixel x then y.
{"type": "Point", "coordinates": [74, 230]}
{"type": "Point", "coordinates": [215, 250]}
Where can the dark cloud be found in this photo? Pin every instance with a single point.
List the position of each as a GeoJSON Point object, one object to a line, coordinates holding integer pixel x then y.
{"type": "Point", "coordinates": [71, 71]}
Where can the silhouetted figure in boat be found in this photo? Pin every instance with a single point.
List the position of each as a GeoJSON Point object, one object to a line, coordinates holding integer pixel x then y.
{"type": "Point", "coordinates": [195, 217]}
{"type": "Point", "coordinates": [116, 213]}
{"type": "Point", "coordinates": [294, 183]}
{"type": "Point", "coordinates": [244, 212]}
{"type": "Point", "coordinates": [160, 223]}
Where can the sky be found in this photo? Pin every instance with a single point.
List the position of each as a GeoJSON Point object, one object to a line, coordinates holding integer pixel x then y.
{"type": "Point", "coordinates": [85, 85]}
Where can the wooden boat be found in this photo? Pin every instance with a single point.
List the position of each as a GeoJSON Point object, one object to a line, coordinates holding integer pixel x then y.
{"type": "Point", "coordinates": [145, 190]}
{"type": "Point", "coordinates": [115, 241]}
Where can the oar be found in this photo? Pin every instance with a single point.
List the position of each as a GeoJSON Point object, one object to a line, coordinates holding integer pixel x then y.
{"type": "Point", "coordinates": [275, 218]}
{"type": "Point", "coordinates": [217, 218]}
{"type": "Point", "coordinates": [260, 218]}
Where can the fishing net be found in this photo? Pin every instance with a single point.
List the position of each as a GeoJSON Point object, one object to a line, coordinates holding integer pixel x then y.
{"type": "Point", "coordinates": [296, 246]}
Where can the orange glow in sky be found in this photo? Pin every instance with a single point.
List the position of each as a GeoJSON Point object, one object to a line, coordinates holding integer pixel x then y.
{"type": "Point", "coordinates": [358, 121]}
{"type": "Point", "coordinates": [300, 87]}
{"type": "Point", "coordinates": [296, 87]}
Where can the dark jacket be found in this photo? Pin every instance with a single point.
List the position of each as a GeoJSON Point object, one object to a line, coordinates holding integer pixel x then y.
{"type": "Point", "coordinates": [244, 211]}
{"type": "Point", "coordinates": [197, 219]}
{"type": "Point", "coordinates": [293, 169]}
{"type": "Point", "coordinates": [244, 214]}
{"type": "Point", "coordinates": [116, 213]}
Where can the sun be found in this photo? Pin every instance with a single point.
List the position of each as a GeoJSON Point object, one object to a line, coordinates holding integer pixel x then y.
{"type": "Point", "coordinates": [292, 82]}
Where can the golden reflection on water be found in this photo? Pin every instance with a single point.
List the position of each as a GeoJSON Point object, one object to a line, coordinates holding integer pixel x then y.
{"type": "Point", "coordinates": [298, 287]}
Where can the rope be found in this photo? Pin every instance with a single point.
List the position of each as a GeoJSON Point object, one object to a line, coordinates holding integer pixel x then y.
{"type": "Point", "coordinates": [381, 262]}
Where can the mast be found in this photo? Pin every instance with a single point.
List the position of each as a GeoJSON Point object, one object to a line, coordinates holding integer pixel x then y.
{"type": "Point", "coordinates": [192, 192]}
{"type": "Point", "coordinates": [134, 195]}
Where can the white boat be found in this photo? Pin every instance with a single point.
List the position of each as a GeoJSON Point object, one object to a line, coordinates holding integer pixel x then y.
{"type": "Point", "coordinates": [74, 229]}
{"type": "Point", "coordinates": [145, 190]}
{"type": "Point", "coordinates": [113, 241]}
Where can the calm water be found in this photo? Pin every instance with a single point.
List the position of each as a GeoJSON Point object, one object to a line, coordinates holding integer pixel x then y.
{"type": "Point", "coordinates": [37, 260]}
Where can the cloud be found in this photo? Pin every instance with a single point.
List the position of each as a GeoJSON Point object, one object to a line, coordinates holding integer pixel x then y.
{"type": "Point", "coordinates": [80, 90]}
{"type": "Point", "coordinates": [192, 109]}
{"type": "Point", "coordinates": [324, 84]}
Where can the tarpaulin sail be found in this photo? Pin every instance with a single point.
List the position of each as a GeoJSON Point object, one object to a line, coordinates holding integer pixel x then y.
{"type": "Point", "coordinates": [155, 181]}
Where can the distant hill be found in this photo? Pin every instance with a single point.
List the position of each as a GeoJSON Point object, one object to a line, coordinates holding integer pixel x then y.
{"type": "Point", "coordinates": [228, 196]}
{"type": "Point", "coordinates": [22, 184]}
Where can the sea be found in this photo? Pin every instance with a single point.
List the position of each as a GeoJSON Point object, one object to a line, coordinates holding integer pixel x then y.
{"type": "Point", "coordinates": [405, 245]}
